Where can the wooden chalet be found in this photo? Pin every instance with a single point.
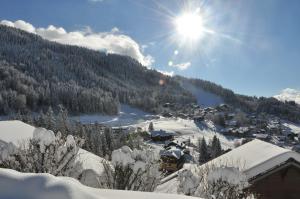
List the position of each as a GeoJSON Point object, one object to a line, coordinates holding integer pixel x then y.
{"type": "Point", "coordinates": [161, 135]}
{"type": "Point", "coordinates": [172, 159]}
{"type": "Point", "coordinates": [273, 172]}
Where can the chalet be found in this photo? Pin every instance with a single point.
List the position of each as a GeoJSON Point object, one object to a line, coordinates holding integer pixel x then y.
{"type": "Point", "coordinates": [223, 107]}
{"type": "Point", "coordinates": [171, 159]}
{"type": "Point", "coordinates": [174, 143]}
{"type": "Point", "coordinates": [198, 119]}
{"type": "Point", "coordinates": [273, 172]}
{"type": "Point", "coordinates": [167, 114]}
{"type": "Point", "coordinates": [262, 136]}
{"type": "Point", "coordinates": [230, 116]}
{"type": "Point", "coordinates": [231, 123]}
{"type": "Point", "coordinates": [169, 105]}
{"type": "Point", "coordinates": [161, 135]}
{"type": "Point", "coordinates": [182, 115]}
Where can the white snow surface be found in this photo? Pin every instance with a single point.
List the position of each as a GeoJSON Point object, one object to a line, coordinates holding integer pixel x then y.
{"type": "Point", "coordinates": [127, 116]}
{"type": "Point", "coordinates": [229, 174]}
{"type": "Point", "coordinates": [289, 94]}
{"type": "Point", "coordinates": [250, 159]}
{"type": "Point", "coordinates": [204, 98]}
{"type": "Point", "coordinates": [254, 158]}
{"type": "Point", "coordinates": [44, 137]}
{"type": "Point", "coordinates": [15, 131]}
{"type": "Point", "coordinates": [294, 128]}
{"type": "Point", "coordinates": [12, 133]}
{"type": "Point", "coordinates": [187, 129]}
{"type": "Point", "coordinates": [15, 185]}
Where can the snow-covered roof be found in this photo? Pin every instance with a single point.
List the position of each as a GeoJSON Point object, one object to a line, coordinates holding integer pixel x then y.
{"type": "Point", "coordinates": [15, 131]}
{"type": "Point", "coordinates": [45, 186]}
{"type": "Point", "coordinates": [261, 135]}
{"type": "Point", "coordinates": [161, 133]}
{"type": "Point", "coordinates": [174, 143]}
{"type": "Point", "coordinates": [255, 157]}
{"type": "Point", "coordinates": [172, 152]}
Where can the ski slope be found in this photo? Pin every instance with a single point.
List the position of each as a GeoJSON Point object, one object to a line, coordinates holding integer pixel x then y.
{"type": "Point", "coordinates": [127, 116]}
{"type": "Point", "coordinates": [204, 98]}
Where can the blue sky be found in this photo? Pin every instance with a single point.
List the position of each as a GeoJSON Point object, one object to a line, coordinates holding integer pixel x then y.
{"type": "Point", "coordinates": [251, 47]}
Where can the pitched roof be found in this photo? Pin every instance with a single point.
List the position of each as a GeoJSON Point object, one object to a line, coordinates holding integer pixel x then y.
{"type": "Point", "coordinates": [161, 133]}
{"type": "Point", "coordinates": [255, 157]}
{"type": "Point", "coordinates": [172, 152]}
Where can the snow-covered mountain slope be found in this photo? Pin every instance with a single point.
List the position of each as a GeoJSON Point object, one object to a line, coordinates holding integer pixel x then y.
{"type": "Point", "coordinates": [127, 116]}
{"type": "Point", "coordinates": [289, 94]}
{"type": "Point", "coordinates": [15, 185]}
{"type": "Point", "coordinates": [204, 98]}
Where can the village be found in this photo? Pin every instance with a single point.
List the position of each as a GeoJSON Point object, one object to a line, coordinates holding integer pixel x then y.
{"type": "Point", "coordinates": [229, 122]}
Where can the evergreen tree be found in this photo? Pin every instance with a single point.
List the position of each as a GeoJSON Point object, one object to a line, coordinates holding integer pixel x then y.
{"type": "Point", "coordinates": [203, 152]}
{"type": "Point", "coordinates": [62, 120]}
{"type": "Point", "coordinates": [216, 149]}
{"type": "Point", "coordinates": [50, 119]}
{"type": "Point", "coordinates": [151, 127]}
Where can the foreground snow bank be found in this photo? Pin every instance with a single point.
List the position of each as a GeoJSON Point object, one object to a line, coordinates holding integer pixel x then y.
{"type": "Point", "coordinates": [45, 186]}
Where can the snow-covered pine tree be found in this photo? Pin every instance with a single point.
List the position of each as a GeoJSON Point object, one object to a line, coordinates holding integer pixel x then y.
{"type": "Point", "coordinates": [50, 119]}
{"type": "Point", "coordinates": [46, 153]}
{"type": "Point", "coordinates": [151, 127]}
{"type": "Point", "coordinates": [203, 151]}
{"type": "Point", "coordinates": [62, 120]}
{"type": "Point", "coordinates": [216, 149]}
{"type": "Point", "coordinates": [132, 170]}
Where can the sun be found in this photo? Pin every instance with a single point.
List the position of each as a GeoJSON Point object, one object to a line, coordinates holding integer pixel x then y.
{"type": "Point", "coordinates": [189, 25]}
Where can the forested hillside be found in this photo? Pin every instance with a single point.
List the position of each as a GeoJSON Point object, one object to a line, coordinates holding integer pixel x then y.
{"type": "Point", "coordinates": [287, 110]}
{"type": "Point", "coordinates": [36, 73]}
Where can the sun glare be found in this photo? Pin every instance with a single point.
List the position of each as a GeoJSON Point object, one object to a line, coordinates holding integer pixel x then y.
{"type": "Point", "coordinates": [189, 25]}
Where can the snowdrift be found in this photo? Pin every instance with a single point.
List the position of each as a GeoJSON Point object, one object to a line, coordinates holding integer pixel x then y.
{"type": "Point", "coordinates": [16, 133]}
{"type": "Point", "coordinates": [15, 185]}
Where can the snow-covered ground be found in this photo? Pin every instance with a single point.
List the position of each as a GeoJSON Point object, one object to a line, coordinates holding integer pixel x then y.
{"type": "Point", "coordinates": [188, 129]}
{"type": "Point", "coordinates": [15, 185]}
{"type": "Point", "coordinates": [294, 128]}
{"type": "Point", "coordinates": [15, 131]}
{"type": "Point", "coordinates": [127, 116]}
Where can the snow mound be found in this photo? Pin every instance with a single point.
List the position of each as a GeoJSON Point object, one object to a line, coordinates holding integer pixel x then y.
{"type": "Point", "coordinates": [15, 131]}
{"type": "Point", "coordinates": [12, 133]}
{"type": "Point", "coordinates": [46, 186]}
{"type": "Point", "coordinates": [289, 94]}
